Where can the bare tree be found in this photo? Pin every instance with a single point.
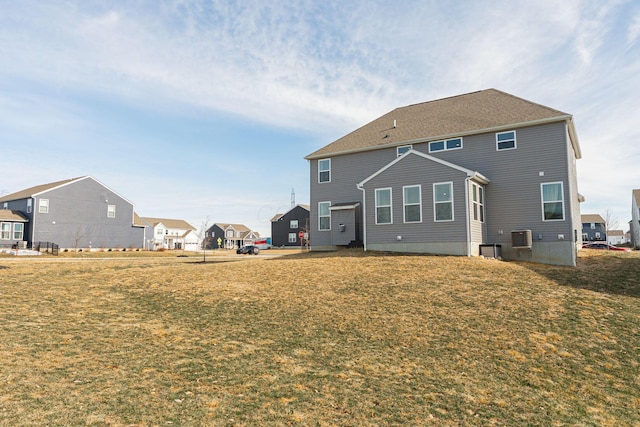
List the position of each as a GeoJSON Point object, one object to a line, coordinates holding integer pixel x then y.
{"type": "Point", "coordinates": [204, 239]}
{"type": "Point", "coordinates": [610, 221]}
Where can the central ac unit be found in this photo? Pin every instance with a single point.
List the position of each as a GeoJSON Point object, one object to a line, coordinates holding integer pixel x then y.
{"type": "Point", "coordinates": [521, 239]}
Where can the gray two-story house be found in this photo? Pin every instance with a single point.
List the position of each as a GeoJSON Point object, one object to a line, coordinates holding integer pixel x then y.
{"type": "Point", "coordinates": [594, 228]}
{"type": "Point", "coordinates": [286, 227]}
{"type": "Point", "coordinates": [75, 213]}
{"type": "Point", "coordinates": [451, 175]}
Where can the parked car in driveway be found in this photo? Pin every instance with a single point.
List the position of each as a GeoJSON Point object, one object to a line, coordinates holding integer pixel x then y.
{"type": "Point", "coordinates": [248, 250]}
{"type": "Point", "coordinates": [603, 245]}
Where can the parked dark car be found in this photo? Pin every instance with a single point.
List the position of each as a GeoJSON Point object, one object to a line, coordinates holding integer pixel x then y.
{"type": "Point", "coordinates": [248, 250]}
{"type": "Point", "coordinates": [606, 246]}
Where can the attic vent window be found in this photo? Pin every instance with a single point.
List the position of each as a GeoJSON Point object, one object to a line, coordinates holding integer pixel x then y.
{"type": "Point", "coordinates": [401, 150]}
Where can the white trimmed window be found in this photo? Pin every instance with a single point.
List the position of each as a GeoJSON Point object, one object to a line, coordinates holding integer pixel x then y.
{"type": "Point", "coordinates": [585, 236]}
{"type": "Point", "coordinates": [593, 225]}
{"type": "Point", "coordinates": [506, 140]}
{"type": "Point", "coordinates": [403, 149]}
{"type": "Point", "coordinates": [5, 230]}
{"type": "Point", "coordinates": [552, 201]}
{"type": "Point", "coordinates": [29, 207]}
{"type": "Point", "coordinates": [18, 231]}
{"type": "Point", "coordinates": [324, 170]}
{"type": "Point", "coordinates": [292, 237]}
{"type": "Point", "coordinates": [111, 211]}
{"type": "Point", "coordinates": [383, 206]}
{"type": "Point", "coordinates": [43, 206]}
{"type": "Point", "coordinates": [412, 201]}
{"type": "Point", "coordinates": [477, 198]}
{"type": "Point", "coordinates": [443, 201]}
{"type": "Point", "coordinates": [449, 144]}
{"type": "Point", "coordinates": [293, 223]}
{"type": "Point", "coordinates": [324, 216]}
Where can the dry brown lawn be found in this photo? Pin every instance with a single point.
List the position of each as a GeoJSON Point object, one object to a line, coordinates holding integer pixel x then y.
{"type": "Point", "coordinates": [334, 339]}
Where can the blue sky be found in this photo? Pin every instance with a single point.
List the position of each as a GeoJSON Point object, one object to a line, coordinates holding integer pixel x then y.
{"type": "Point", "coordinates": [204, 110]}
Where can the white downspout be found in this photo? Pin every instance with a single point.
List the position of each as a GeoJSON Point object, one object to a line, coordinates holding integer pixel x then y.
{"type": "Point", "coordinates": [364, 217]}
{"type": "Point", "coordinates": [468, 217]}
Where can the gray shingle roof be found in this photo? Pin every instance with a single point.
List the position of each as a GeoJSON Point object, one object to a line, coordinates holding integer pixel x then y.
{"type": "Point", "coordinates": [482, 111]}
{"type": "Point", "coordinates": [9, 215]}
{"type": "Point", "coordinates": [591, 218]}
{"type": "Point", "coordinates": [28, 192]}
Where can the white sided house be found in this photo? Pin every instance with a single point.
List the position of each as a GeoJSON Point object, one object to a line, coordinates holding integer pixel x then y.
{"type": "Point", "coordinates": [485, 173]}
{"type": "Point", "coordinates": [165, 233]}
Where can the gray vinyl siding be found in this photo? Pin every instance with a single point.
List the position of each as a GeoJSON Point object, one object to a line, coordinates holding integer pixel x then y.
{"type": "Point", "coordinates": [77, 218]}
{"type": "Point", "coordinates": [346, 171]}
{"type": "Point", "coordinates": [414, 170]}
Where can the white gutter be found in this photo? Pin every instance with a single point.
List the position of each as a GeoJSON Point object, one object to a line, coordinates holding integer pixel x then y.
{"type": "Point", "coordinates": [364, 216]}
{"type": "Point", "coordinates": [468, 217]}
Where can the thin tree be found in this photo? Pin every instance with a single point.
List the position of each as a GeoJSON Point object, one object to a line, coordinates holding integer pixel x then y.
{"type": "Point", "coordinates": [204, 239]}
{"type": "Point", "coordinates": [610, 221]}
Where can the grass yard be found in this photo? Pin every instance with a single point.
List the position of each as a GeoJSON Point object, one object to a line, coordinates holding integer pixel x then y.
{"type": "Point", "coordinates": [334, 339]}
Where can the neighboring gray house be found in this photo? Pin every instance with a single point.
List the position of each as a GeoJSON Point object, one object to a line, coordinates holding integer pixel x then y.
{"type": "Point", "coordinates": [165, 233]}
{"type": "Point", "coordinates": [286, 227]}
{"type": "Point", "coordinates": [12, 227]}
{"type": "Point", "coordinates": [451, 176]}
{"type": "Point", "coordinates": [76, 213]}
{"type": "Point", "coordinates": [229, 236]}
{"type": "Point", "coordinates": [594, 228]}
{"type": "Point", "coordinates": [634, 225]}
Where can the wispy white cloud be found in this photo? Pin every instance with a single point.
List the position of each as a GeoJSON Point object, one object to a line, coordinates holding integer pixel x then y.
{"type": "Point", "coordinates": [322, 68]}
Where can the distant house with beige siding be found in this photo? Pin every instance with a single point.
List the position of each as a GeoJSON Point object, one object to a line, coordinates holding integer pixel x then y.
{"type": "Point", "coordinates": [453, 176]}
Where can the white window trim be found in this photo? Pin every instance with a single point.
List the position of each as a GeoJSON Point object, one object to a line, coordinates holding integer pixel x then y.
{"type": "Point", "coordinates": [43, 206]}
{"type": "Point", "coordinates": [21, 235]}
{"type": "Point", "coordinates": [5, 227]}
{"type": "Point", "coordinates": [291, 223]}
{"type": "Point", "coordinates": [398, 153]}
{"type": "Point", "coordinates": [323, 216]}
{"type": "Point", "coordinates": [479, 203]}
{"type": "Point", "coordinates": [295, 237]}
{"type": "Point", "coordinates": [111, 211]}
{"type": "Point", "coordinates": [390, 206]}
{"type": "Point", "coordinates": [453, 216]}
{"type": "Point", "coordinates": [542, 184]}
{"type": "Point", "coordinates": [515, 140]}
{"type": "Point", "coordinates": [445, 145]}
{"type": "Point", "coordinates": [404, 204]}
{"type": "Point", "coordinates": [328, 170]}
{"type": "Point", "coordinates": [29, 205]}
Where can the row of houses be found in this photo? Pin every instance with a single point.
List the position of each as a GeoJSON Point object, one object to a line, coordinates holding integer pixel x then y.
{"type": "Point", "coordinates": [287, 229]}
{"type": "Point", "coordinates": [84, 213]}
{"type": "Point", "coordinates": [594, 229]}
{"type": "Point", "coordinates": [453, 176]}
